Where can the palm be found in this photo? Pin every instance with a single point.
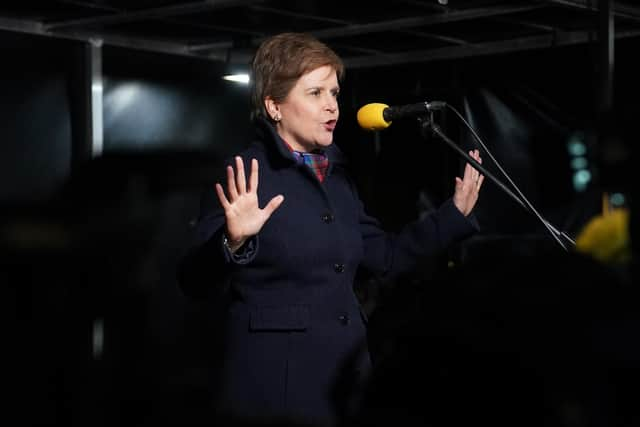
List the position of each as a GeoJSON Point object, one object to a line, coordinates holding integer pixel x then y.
{"type": "Point", "coordinates": [467, 188]}
{"type": "Point", "coordinates": [241, 209]}
{"type": "Point", "coordinates": [244, 216]}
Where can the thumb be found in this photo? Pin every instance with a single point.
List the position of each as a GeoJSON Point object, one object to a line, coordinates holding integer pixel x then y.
{"type": "Point", "coordinates": [458, 183]}
{"type": "Point", "coordinates": [273, 205]}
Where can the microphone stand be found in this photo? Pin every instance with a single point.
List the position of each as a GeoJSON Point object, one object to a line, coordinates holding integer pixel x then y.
{"type": "Point", "coordinates": [428, 123]}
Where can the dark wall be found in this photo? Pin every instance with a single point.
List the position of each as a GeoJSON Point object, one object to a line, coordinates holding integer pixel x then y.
{"type": "Point", "coordinates": [35, 121]}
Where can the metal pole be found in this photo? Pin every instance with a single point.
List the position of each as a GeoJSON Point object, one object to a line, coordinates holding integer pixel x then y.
{"type": "Point", "coordinates": [606, 40]}
{"type": "Point", "coordinates": [95, 79]}
{"type": "Point", "coordinates": [604, 109]}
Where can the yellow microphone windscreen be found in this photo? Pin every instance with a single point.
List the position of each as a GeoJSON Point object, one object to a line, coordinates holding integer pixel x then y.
{"type": "Point", "coordinates": [371, 117]}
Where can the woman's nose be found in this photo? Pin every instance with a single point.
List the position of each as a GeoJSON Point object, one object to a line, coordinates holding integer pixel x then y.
{"type": "Point", "coordinates": [332, 104]}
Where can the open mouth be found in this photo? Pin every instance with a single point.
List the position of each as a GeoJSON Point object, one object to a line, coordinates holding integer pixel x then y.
{"type": "Point", "coordinates": [330, 125]}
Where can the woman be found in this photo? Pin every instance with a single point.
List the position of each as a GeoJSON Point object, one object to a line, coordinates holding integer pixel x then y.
{"type": "Point", "coordinates": [288, 235]}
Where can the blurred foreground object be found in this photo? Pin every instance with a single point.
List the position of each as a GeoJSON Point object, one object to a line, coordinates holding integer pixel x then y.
{"type": "Point", "coordinates": [606, 237]}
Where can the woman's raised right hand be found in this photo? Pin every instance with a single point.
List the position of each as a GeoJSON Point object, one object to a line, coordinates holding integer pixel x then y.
{"type": "Point", "coordinates": [241, 209]}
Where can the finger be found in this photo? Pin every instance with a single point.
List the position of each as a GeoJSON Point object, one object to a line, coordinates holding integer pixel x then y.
{"type": "Point", "coordinates": [221, 197]}
{"type": "Point", "coordinates": [460, 186]}
{"type": "Point", "coordinates": [231, 184]}
{"type": "Point", "coordinates": [477, 157]}
{"type": "Point", "coordinates": [480, 181]}
{"type": "Point", "coordinates": [241, 180]}
{"type": "Point", "coordinates": [468, 172]}
{"type": "Point", "coordinates": [273, 205]}
{"type": "Point", "coordinates": [253, 177]}
{"type": "Point", "coordinates": [474, 155]}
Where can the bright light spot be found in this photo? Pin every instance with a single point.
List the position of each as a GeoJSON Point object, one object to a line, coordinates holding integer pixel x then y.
{"type": "Point", "coordinates": [617, 199]}
{"type": "Point", "coordinates": [122, 97]}
{"type": "Point", "coordinates": [577, 148]}
{"type": "Point", "coordinates": [580, 179]}
{"type": "Point", "coordinates": [238, 78]}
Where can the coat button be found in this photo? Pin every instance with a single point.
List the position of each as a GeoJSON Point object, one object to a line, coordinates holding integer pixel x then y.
{"type": "Point", "coordinates": [327, 218]}
{"type": "Point", "coordinates": [338, 268]}
{"type": "Point", "coordinates": [344, 319]}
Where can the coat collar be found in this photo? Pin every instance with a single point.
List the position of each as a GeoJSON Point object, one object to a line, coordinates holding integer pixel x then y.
{"type": "Point", "coordinates": [277, 148]}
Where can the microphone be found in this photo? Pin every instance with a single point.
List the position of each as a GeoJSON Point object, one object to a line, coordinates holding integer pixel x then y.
{"type": "Point", "coordinates": [377, 116]}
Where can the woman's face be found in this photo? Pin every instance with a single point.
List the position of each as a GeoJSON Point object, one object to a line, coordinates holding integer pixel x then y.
{"type": "Point", "coordinates": [310, 112]}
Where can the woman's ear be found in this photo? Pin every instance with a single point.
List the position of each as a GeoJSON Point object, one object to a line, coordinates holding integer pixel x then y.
{"type": "Point", "coordinates": [273, 109]}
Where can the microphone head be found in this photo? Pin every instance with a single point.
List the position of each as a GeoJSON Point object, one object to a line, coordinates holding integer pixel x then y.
{"type": "Point", "coordinates": [371, 117]}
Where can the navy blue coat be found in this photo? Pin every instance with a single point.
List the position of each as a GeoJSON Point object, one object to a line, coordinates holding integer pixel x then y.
{"type": "Point", "coordinates": [293, 319]}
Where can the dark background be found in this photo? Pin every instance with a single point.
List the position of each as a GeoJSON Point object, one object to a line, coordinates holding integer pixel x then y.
{"type": "Point", "coordinates": [99, 333]}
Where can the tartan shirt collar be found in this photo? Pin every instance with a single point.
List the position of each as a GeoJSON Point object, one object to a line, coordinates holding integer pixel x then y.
{"type": "Point", "coordinates": [317, 160]}
{"type": "Point", "coordinates": [266, 132]}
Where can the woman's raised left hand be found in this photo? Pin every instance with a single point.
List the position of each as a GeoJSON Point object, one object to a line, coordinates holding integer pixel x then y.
{"type": "Point", "coordinates": [467, 188]}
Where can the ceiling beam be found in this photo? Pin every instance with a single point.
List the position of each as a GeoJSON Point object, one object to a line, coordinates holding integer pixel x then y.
{"type": "Point", "coordinates": [619, 10]}
{"type": "Point", "coordinates": [167, 20]}
{"type": "Point", "coordinates": [443, 9]}
{"type": "Point", "coordinates": [489, 48]}
{"type": "Point", "coordinates": [296, 15]}
{"type": "Point", "coordinates": [371, 58]}
{"type": "Point", "coordinates": [433, 36]}
{"type": "Point", "coordinates": [90, 5]}
{"type": "Point", "coordinates": [480, 49]}
{"type": "Point", "coordinates": [138, 43]}
{"type": "Point", "coordinates": [291, 14]}
{"type": "Point", "coordinates": [404, 23]}
{"type": "Point", "coordinates": [21, 26]}
{"type": "Point", "coordinates": [328, 20]}
{"type": "Point", "coordinates": [149, 13]}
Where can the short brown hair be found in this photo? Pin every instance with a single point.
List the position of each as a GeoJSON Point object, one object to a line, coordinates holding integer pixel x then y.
{"type": "Point", "coordinates": [281, 60]}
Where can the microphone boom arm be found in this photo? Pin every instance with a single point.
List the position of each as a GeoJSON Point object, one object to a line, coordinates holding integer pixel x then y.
{"type": "Point", "coordinates": [428, 123]}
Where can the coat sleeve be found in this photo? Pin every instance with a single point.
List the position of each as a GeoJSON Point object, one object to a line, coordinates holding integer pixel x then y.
{"type": "Point", "coordinates": [205, 267]}
{"type": "Point", "coordinates": [390, 254]}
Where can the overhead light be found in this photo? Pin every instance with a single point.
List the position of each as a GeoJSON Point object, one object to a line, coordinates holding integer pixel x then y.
{"type": "Point", "coordinates": [238, 78]}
